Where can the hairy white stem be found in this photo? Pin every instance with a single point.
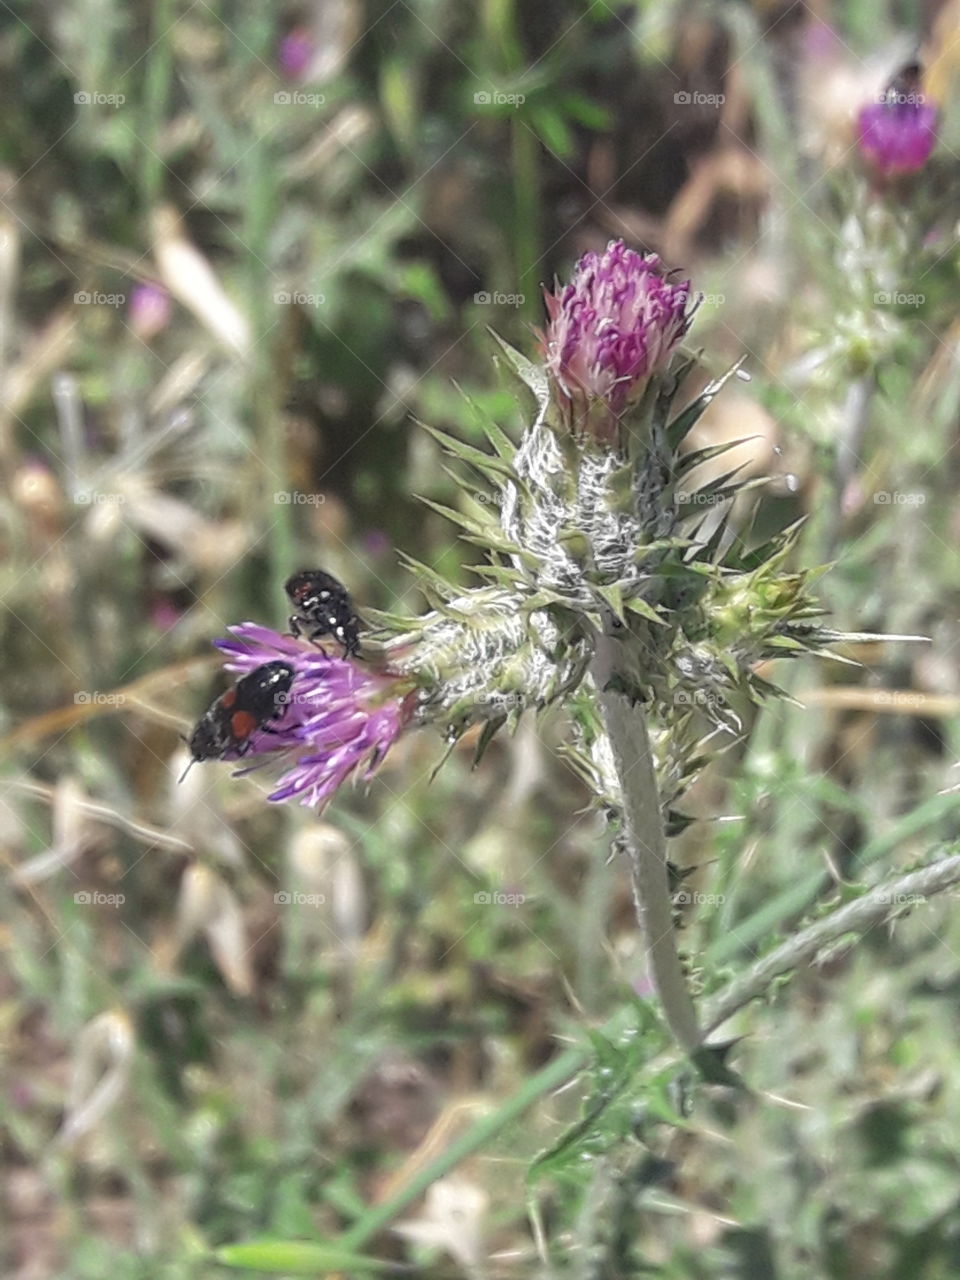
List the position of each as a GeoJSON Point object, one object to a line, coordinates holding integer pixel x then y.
{"type": "Point", "coordinates": [645, 843]}
{"type": "Point", "coordinates": [857, 917]}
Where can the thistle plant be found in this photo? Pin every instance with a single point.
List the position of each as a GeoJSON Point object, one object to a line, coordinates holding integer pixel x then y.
{"type": "Point", "coordinates": [613, 584]}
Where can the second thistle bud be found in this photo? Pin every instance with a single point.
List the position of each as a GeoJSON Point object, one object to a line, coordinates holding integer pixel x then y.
{"type": "Point", "coordinates": [610, 330]}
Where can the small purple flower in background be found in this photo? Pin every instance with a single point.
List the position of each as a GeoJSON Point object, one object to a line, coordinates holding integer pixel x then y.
{"type": "Point", "coordinates": [150, 311]}
{"type": "Point", "coordinates": [341, 718]}
{"type": "Point", "coordinates": [615, 325]}
{"type": "Point", "coordinates": [296, 53]}
{"type": "Point", "coordinates": [164, 614]}
{"type": "Point", "coordinates": [897, 134]}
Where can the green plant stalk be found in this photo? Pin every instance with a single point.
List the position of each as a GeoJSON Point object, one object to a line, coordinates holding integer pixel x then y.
{"type": "Point", "coordinates": [260, 212]}
{"type": "Point", "coordinates": [646, 843]}
{"type": "Point", "coordinates": [857, 917]}
{"type": "Point", "coordinates": [548, 1078]}
{"type": "Point", "coordinates": [158, 70]}
{"type": "Point", "coordinates": [802, 895]}
{"type": "Point", "coordinates": [526, 186]}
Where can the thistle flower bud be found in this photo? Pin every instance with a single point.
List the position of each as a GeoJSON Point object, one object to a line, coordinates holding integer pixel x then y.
{"type": "Point", "coordinates": [615, 325]}
{"type": "Point", "coordinates": [296, 53]}
{"type": "Point", "coordinates": [150, 311]}
{"type": "Point", "coordinates": [897, 134]}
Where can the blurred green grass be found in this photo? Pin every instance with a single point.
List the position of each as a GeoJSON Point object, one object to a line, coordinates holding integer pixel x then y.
{"type": "Point", "coordinates": [283, 1067]}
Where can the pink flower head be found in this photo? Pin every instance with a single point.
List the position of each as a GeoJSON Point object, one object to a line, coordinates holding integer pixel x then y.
{"type": "Point", "coordinates": [296, 53]}
{"type": "Point", "coordinates": [897, 134]}
{"type": "Point", "coordinates": [610, 330]}
{"type": "Point", "coordinates": [341, 717]}
{"type": "Point", "coordinates": [150, 310]}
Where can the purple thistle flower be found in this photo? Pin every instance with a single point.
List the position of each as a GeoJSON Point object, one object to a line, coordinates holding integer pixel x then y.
{"type": "Point", "coordinates": [150, 310]}
{"type": "Point", "coordinates": [341, 717]}
{"type": "Point", "coordinates": [897, 134]}
{"type": "Point", "coordinates": [611, 329]}
{"type": "Point", "coordinates": [296, 53]}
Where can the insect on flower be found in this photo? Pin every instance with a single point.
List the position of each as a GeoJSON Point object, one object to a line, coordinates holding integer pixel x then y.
{"type": "Point", "coordinates": [341, 724]}
{"type": "Point", "coordinates": [227, 727]}
{"type": "Point", "coordinates": [323, 608]}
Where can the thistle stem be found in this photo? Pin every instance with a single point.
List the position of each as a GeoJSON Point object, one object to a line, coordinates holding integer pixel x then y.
{"type": "Point", "coordinates": [857, 917]}
{"type": "Point", "coordinates": [871, 909]}
{"type": "Point", "coordinates": [645, 842]}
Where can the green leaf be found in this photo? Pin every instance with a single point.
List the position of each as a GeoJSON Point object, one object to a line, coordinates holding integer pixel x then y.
{"type": "Point", "coordinates": [486, 737]}
{"type": "Point", "coordinates": [552, 129]}
{"type": "Point", "coordinates": [613, 596]}
{"type": "Point", "coordinates": [298, 1258]}
{"type": "Point", "coordinates": [531, 375]}
{"type": "Point", "coordinates": [697, 456]}
{"type": "Point", "coordinates": [487, 464]}
{"type": "Point", "coordinates": [685, 421]}
{"type": "Point", "coordinates": [643, 610]}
